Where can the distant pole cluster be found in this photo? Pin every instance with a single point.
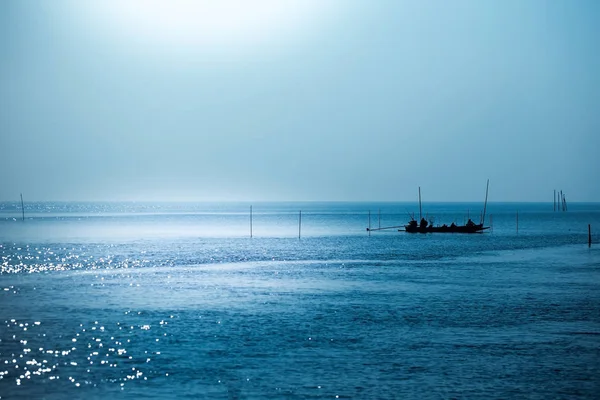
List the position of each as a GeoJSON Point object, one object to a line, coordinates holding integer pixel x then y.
{"type": "Point", "coordinates": [560, 201]}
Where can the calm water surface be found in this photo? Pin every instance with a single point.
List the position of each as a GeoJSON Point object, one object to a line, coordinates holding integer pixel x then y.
{"type": "Point", "coordinates": [177, 301]}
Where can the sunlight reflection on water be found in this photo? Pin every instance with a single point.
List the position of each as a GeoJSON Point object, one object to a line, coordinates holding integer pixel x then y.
{"type": "Point", "coordinates": [391, 315]}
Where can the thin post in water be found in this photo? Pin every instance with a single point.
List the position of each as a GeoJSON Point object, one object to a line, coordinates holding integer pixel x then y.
{"type": "Point", "coordinates": [22, 207]}
{"type": "Point", "coordinates": [589, 235]}
{"type": "Point", "coordinates": [561, 202]}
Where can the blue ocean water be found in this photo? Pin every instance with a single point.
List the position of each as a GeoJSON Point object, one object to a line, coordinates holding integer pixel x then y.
{"type": "Point", "coordinates": [175, 300]}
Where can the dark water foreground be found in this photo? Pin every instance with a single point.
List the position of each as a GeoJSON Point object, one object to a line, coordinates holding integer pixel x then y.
{"type": "Point", "coordinates": [84, 314]}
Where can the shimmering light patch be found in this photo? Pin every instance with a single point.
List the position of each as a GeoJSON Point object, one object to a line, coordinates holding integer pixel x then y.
{"type": "Point", "coordinates": [20, 259]}
{"type": "Point", "coordinates": [25, 358]}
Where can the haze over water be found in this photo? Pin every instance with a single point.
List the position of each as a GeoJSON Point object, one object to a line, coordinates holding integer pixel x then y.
{"type": "Point", "coordinates": [172, 300]}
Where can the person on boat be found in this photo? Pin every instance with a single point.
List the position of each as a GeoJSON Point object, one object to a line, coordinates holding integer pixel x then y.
{"type": "Point", "coordinates": [470, 223]}
{"type": "Point", "coordinates": [424, 223]}
{"type": "Point", "coordinates": [453, 225]}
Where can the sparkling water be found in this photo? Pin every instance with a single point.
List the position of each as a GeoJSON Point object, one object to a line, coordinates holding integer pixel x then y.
{"type": "Point", "coordinates": [173, 300]}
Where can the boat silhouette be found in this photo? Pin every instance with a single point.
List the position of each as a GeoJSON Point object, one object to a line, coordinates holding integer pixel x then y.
{"type": "Point", "coordinates": [425, 227]}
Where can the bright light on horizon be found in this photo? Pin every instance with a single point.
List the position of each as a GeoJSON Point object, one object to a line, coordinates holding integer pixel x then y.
{"type": "Point", "coordinates": [206, 22]}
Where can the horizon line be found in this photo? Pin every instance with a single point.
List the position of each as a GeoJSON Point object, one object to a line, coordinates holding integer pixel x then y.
{"type": "Point", "coordinates": [288, 201]}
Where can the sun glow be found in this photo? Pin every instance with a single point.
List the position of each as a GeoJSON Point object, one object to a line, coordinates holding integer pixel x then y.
{"type": "Point", "coordinates": [207, 22]}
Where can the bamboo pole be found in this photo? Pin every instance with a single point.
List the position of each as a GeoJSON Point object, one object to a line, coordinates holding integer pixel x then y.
{"type": "Point", "coordinates": [420, 211]}
{"type": "Point", "coordinates": [22, 207]}
{"type": "Point", "coordinates": [562, 203]}
{"type": "Point", "coordinates": [487, 186]}
{"type": "Point", "coordinates": [385, 227]}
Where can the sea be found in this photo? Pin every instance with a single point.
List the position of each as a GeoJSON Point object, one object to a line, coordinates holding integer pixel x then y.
{"type": "Point", "coordinates": [298, 301]}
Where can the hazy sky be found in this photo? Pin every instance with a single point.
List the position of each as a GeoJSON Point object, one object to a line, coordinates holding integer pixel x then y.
{"type": "Point", "coordinates": [299, 100]}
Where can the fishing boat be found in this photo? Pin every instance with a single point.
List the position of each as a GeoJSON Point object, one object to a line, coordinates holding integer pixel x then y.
{"type": "Point", "coordinates": [425, 227]}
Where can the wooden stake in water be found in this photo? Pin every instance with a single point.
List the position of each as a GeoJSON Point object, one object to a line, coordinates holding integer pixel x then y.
{"type": "Point", "coordinates": [250, 221]}
{"type": "Point", "coordinates": [299, 223]}
{"type": "Point", "coordinates": [560, 202]}
{"type": "Point", "coordinates": [22, 207]}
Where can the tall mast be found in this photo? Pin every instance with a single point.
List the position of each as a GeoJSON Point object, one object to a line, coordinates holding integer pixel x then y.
{"type": "Point", "coordinates": [420, 212]}
{"type": "Point", "coordinates": [485, 204]}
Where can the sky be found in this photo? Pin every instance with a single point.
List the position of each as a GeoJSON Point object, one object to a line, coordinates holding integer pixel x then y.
{"type": "Point", "coordinates": [299, 100]}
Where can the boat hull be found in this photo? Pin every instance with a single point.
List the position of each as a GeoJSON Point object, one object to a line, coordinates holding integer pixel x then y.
{"type": "Point", "coordinates": [446, 229]}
